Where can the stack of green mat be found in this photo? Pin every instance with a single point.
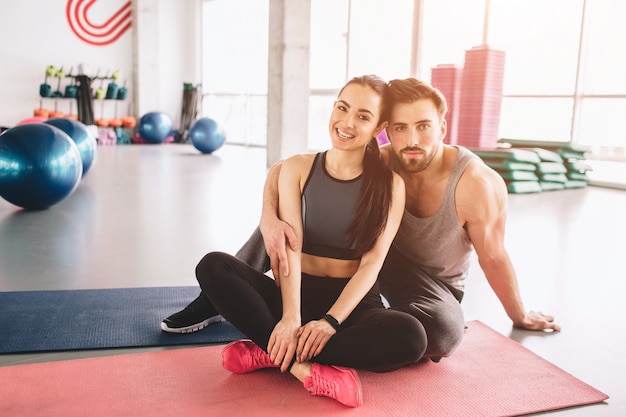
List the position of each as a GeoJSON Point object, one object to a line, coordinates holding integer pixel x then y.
{"type": "Point", "coordinates": [518, 168]}
{"type": "Point", "coordinates": [572, 158]}
{"type": "Point", "coordinates": [551, 169]}
{"type": "Point", "coordinates": [577, 173]}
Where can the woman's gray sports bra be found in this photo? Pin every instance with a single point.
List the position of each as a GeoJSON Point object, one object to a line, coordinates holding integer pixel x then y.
{"type": "Point", "coordinates": [329, 206]}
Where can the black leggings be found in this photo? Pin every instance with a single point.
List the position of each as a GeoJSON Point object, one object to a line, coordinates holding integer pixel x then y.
{"type": "Point", "coordinates": [372, 337]}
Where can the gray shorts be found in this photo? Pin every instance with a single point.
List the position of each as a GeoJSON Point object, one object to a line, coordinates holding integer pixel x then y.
{"type": "Point", "coordinates": [433, 302]}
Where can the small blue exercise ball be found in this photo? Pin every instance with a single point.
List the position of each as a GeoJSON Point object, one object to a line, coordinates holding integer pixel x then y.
{"type": "Point", "coordinates": [155, 127]}
{"type": "Point", "coordinates": [206, 135]}
{"type": "Point", "coordinates": [40, 165]}
{"type": "Point", "coordinates": [77, 131]}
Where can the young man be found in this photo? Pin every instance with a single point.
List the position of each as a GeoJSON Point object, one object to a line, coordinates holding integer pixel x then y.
{"type": "Point", "coordinates": [454, 202]}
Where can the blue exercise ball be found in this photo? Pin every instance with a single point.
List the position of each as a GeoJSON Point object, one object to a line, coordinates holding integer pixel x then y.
{"type": "Point", "coordinates": [40, 165]}
{"type": "Point", "coordinates": [206, 135]}
{"type": "Point", "coordinates": [77, 131]}
{"type": "Point", "coordinates": [155, 127]}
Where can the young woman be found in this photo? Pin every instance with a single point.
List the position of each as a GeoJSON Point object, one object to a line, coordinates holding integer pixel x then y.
{"type": "Point", "coordinates": [326, 316]}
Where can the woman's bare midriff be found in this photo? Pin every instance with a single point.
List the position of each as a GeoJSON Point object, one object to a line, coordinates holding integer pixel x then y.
{"type": "Point", "coordinates": [328, 267]}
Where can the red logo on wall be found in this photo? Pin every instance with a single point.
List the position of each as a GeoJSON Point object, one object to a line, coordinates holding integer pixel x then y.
{"type": "Point", "coordinates": [77, 12]}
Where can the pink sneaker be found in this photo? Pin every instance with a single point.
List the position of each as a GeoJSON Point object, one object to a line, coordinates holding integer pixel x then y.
{"type": "Point", "coordinates": [336, 382]}
{"type": "Point", "coordinates": [243, 356]}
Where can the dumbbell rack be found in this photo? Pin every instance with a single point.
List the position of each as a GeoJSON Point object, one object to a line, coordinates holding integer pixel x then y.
{"type": "Point", "coordinates": [80, 91]}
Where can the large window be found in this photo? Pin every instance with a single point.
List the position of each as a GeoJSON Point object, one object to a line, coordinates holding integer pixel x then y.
{"type": "Point", "coordinates": [603, 100]}
{"type": "Point", "coordinates": [540, 39]}
{"type": "Point", "coordinates": [564, 71]}
{"type": "Point", "coordinates": [234, 65]}
{"type": "Point", "coordinates": [541, 42]}
{"type": "Point", "coordinates": [351, 38]}
{"type": "Point", "coordinates": [448, 29]}
{"type": "Point", "coordinates": [604, 53]}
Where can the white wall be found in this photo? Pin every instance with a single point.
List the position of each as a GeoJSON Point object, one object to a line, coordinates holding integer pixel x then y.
{"type": "Point", "coordinates": [36, 33]}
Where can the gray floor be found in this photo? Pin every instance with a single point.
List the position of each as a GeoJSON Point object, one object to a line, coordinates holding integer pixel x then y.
{"type": "Point", "coordinates": [144, 215]}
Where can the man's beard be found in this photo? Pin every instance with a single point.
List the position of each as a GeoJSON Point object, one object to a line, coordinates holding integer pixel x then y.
{"type": "Point", "coordinates": [415, 165]}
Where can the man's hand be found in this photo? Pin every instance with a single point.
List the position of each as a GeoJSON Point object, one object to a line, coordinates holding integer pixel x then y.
{"type": "Point", "coordinates": [277, 235]}
{"type": "Point", "coordinates": [538, 321]}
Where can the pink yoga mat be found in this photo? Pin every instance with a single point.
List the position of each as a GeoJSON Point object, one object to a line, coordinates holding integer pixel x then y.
{"type": "Point", "coordinates": [489, 375]}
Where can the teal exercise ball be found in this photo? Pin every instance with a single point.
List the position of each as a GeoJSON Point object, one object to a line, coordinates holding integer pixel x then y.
{"type": "Point", "coordinates": [77, 131]}
{"type": "Point", "coordinates": [40, 165]}
{"type": "Point", "coordinates": [206, 135]}
{"type": "Point", "coordinates": [155, 127]}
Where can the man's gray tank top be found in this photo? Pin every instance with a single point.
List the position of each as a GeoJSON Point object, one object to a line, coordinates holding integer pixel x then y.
{"type": "Point", "coordinates": [438, 244]}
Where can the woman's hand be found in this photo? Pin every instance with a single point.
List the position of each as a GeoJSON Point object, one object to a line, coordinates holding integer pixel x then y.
{"type": "Point", "coordinates": [312, 338]}
{"type": "Point", "coordinates": [283, 342]}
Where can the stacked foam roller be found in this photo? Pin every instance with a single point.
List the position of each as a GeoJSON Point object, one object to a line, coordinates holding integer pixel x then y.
{"type": "Point", "coordinates": [447, 79]}
{"type": "Point", "coordinates": [481, 98]}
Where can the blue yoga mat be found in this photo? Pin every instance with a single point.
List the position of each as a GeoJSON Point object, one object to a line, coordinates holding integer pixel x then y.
{"type": "Point", "coordinates": [37, 321]}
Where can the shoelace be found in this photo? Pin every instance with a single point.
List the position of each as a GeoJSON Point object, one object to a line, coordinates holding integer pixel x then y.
{"type": "Point", "coordinates": [259, 358]}
{"type": "Point", "coordinates": [323, 386]}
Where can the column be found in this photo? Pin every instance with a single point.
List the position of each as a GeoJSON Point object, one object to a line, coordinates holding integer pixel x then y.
{"type": "Point", "coordinates": [288, 79]}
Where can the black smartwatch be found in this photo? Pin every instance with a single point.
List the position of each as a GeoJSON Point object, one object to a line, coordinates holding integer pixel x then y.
{"type": "Point", "coordinates": [332, 321]}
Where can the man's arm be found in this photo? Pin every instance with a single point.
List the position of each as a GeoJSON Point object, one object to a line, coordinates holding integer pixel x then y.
{"type": "Point", "coordinates": [482, 204]}
{"type": "Point", "coordinates": [276, 233]}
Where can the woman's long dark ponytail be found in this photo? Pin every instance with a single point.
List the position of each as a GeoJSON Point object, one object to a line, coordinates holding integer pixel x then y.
{"type": "Point", "coordinates": [376, 193]}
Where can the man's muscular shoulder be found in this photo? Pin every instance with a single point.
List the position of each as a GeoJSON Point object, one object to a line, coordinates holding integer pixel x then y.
{"type": "Point", "coordinates": [299, 164]}
{"type": "Point", "coordinates": [479, 186]}
{"type": "Point", "coordinates": [299, 159]}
